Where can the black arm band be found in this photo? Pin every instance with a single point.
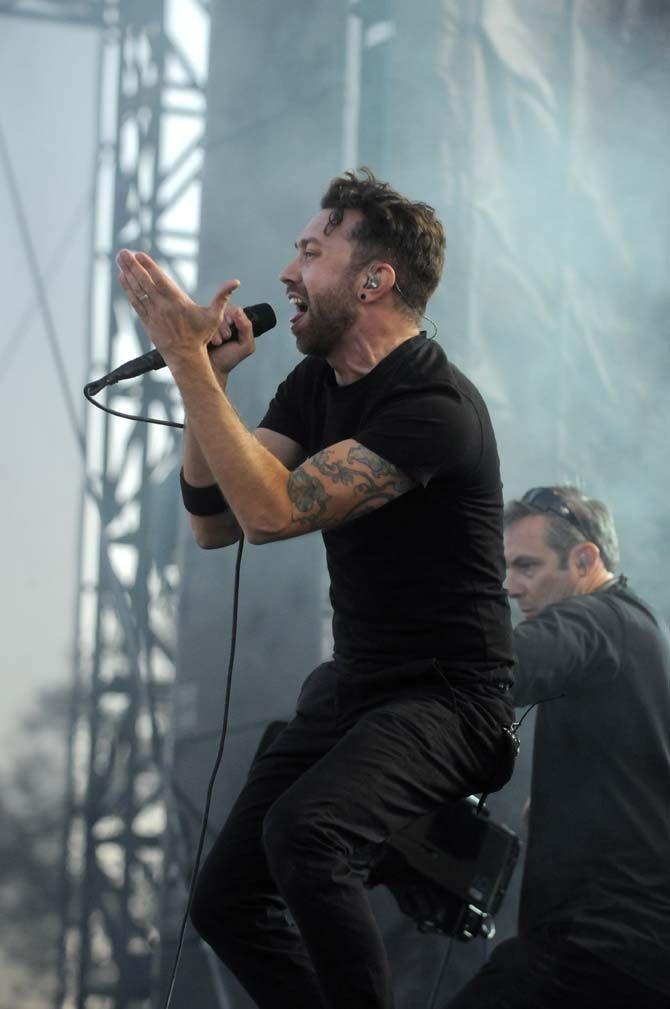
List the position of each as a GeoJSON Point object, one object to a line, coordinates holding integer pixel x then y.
{"type": "Point", "coordinates": [202, 500]}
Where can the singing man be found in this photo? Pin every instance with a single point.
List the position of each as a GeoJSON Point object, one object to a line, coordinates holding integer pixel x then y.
{"type": "Point", "coordinates": [380, 443]}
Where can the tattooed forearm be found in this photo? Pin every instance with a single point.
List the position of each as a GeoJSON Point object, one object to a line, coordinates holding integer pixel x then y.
{"type": "Point", "coordinates": [360, 460]}
{"type": "Point", "coordinates": [317, 504]}
{"type": "Point", "coordinates": [337, 470]}
{"type": "Point", "coordinates": [307, 494]}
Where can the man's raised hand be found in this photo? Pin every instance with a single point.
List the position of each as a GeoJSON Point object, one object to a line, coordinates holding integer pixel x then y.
{"type": "Point", "coordinates": [179, 328]}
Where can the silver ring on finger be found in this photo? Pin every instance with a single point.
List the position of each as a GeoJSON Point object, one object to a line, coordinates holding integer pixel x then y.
{"type": "Point", "coordinates": [143, 297]}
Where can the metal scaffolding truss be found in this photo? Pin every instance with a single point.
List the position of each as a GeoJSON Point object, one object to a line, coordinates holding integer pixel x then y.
{"type": "Point", "coordinates": [151, 124]}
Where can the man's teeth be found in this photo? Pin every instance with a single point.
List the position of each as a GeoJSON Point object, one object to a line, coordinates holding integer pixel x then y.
{"type": "Point", "coordinates": [298, 302]}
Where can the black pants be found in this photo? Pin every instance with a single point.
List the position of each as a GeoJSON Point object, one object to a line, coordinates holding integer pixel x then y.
{"type": "Point", "coordinates": [544, 970]}
{"type": "Point", "coordinates": [364, 755]}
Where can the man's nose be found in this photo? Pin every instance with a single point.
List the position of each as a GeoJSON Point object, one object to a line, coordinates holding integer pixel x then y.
{"type": "Point", "coordinates": [513, 586]}
{"type": "Point", "coordinates": [290, 274]}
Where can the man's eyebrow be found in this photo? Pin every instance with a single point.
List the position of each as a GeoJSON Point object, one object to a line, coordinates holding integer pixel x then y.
{"type": "Point", "coordinates": [522, 559]}
{"type": "Point", "coordinates": [306, 241]}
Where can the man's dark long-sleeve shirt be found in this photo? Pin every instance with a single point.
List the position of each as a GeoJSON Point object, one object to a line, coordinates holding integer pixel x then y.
{"type": "Point", "coordinates": [598, 858]}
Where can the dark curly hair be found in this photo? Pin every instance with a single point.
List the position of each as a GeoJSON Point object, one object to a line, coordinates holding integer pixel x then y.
{"type": "Point", "coordinates": [407, 235]}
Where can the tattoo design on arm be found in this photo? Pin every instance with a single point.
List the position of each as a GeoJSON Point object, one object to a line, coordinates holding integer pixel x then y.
{"type": "Point", "coordinates": [306, 493]}
{"type": "Point", "coordinates": [374, 480]}
{"type": "Point", "coordinates": [378, 467]}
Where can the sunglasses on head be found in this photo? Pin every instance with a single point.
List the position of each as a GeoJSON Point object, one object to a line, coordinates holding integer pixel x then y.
{"type": "Point", "coordinates": [546, 499]}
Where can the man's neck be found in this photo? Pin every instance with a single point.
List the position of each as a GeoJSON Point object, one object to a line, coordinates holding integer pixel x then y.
{"type": "Point", "coordinates": [600, 578]}
{"type": "Point", "coordinates": [367, 343]}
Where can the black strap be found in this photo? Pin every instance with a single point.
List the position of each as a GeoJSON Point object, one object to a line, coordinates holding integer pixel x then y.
{"type": "Point", "coordinates": [202, 500]}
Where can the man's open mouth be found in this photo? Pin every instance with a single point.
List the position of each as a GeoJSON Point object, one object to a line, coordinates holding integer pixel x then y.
{"type": "Point", "coordinates": [300, 304]}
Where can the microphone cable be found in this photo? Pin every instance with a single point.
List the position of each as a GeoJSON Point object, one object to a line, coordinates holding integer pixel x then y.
{"type": "Point", "coordinates": [130, 416]}
{"type": "Point", "coordinates": [226, 711]}
{"type": "Point", "coordinates": [212, 778]}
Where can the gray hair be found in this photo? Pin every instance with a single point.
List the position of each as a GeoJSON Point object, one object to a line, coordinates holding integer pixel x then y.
{"type": "Point", "coordinates": [593, 524]}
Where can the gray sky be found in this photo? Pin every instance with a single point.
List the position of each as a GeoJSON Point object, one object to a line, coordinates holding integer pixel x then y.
{"type": "Point", "coordinates": [47, 79]}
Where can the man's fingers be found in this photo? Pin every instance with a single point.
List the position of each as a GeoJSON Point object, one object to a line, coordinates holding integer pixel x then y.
{"type": "Point", "coordinates": [245, 331]}
{"type": "Point", "coordinates": [138, 302]}
{"type": "Point", "coordinates": [133, 281]}
{"type": "Point", "coordinates": [137, 277]}
{"type": "Point", "coordinates": [144, 276]}
{"type": "Point", "coordinates": [159, 278]}
{"type": "Point", "coordinates": [222, 296]}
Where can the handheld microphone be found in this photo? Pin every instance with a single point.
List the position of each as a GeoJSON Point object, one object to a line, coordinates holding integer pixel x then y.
{"type": "Point", "coordinates": [262, 318]}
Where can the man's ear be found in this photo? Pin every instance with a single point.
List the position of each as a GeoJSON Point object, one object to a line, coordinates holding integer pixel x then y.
{"type": "Point", "coordinates": [377, 280]}
{"type": "Point", "coordinates": [584, 556]}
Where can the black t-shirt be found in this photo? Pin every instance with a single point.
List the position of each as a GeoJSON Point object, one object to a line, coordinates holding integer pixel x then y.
{"type": "Point", "coordinates": [421, 576]}
{"type": "Point", "coordinates": [598, 856]}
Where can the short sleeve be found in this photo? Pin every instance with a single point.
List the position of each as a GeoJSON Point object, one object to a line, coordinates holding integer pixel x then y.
{"type": "Point", "coordinates": [428, 433]}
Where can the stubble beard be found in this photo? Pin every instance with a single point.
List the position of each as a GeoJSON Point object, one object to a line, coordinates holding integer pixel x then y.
{"type": "Point", "coordinates": [331, 316]}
